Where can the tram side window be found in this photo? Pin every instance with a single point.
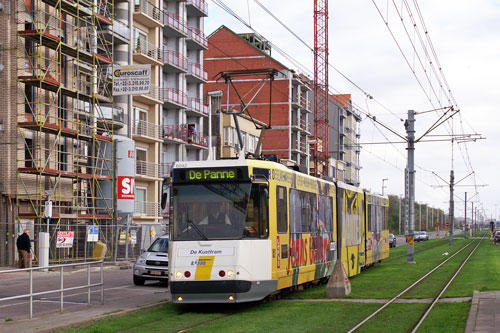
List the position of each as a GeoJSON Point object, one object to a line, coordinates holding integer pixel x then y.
{"type": "Point", "coordinates": [257, 222]}
{"type": "Point", "coordinates": [325, 213]}
{"type": "Point", "coordinates": [281, 209]}
{"type": "Point", "coordinates": [303, 211]}
{"type": "Point", "coordinates": [386, 218]}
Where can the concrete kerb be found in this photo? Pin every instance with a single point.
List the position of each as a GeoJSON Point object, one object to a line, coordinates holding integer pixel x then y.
{"type": "Point", "coordinates": [78, 321]}
{"type": "Point", "coordinates": [472, 318]}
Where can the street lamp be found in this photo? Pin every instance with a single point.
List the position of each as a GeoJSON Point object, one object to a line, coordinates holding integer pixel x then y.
{"type": "Point", "coordinates": [308, 143]}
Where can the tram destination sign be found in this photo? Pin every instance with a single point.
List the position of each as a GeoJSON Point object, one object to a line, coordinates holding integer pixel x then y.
{"type": "Point", "coordinates": [210, 175]}
{"type": "Point", "coordinates": [131, 79]}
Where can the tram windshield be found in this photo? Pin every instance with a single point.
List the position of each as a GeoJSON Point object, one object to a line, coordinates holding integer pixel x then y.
{"type": "Point", "coordinates": [220, 211]}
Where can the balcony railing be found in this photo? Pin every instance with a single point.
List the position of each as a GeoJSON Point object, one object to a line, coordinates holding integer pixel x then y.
{"type": "Point", "coordinates": [174, 132]}
{"type": "Point", "coordinates": [165, 169]}
{"type": "Point", "coordinates": [148, 169]}
{"type": "Point", "coordinates": [197, 105]}
{"type": "Point", "coordinates": [147, 8]}
{"type": "Point", "coordinates": [148, 49]}
{"type": "Point", "coordinates": [154, 92]}
{"type": "Point", "coordinates": [176, 96]}
{"type": "Point", "coordinates": [145, 128]}
{"type": "Point", "coordinates": [174, 21]}
{"type": "Point", "coordinates": [114, 113]}
{"type": "Point", "coordinates": [145, 208]}
{"type": "Point", "coordinates": [197, 139]}
{"type": "Point", "coordinates": [200, 4]}
{"type": "Point", "coordinates": [198, 36]}
{"type": "Point", "coordinates": [118, 28]}
{"type": "Point", "coordinates": [302, 101]}
{"type": "Point", "coordinates": [174, 58]}
{"type": "Point", "coordinates": [196, 69]}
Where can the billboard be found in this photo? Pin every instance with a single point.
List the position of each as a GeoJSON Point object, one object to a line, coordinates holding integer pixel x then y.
{"type": "Point", "coordinates": [131, 79]}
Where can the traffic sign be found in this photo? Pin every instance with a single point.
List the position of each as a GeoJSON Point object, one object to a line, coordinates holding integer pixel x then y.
{"type": "Point", "coordinates": [65, 239]}
{"type": "Point", "coordinates": [447, 224]}
{"type": "Point", "coordinates": [92, 233]}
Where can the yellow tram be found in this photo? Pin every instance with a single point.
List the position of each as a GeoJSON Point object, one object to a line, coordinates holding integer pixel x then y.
{"type": "Point", "coordinates": [244, 229]}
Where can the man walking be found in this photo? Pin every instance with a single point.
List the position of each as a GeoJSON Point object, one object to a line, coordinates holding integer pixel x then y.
{"type": "Point", "coordinates": [24, 248]}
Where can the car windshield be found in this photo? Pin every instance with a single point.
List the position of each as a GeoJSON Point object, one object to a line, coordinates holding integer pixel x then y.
{"type": "Point", "coordinates": [159, 245]}
{"type": "Point", "coordinates": [219, 211]}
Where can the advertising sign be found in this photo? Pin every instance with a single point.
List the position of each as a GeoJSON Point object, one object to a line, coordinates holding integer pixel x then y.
{"type": "Point", "coordinates": [65, 239]}
{"type": "Point", "coordinates": [126, 186]}
{"type": "Point", "coordinates": [131, 79]}
{"type": "Point", "coordinates": [92, 233]}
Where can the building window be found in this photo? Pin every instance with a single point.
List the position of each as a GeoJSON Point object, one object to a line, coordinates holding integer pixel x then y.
{"type": "Point", "coordinates": [62, 158]}
{"type": "Point", "coordinates": [140, 41]}
{"type": "Point", "coordinates": [228, 136]}
{"type": "Point", "coordinates": [28, 154]}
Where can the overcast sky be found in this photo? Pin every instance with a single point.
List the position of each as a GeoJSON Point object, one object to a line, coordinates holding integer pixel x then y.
{"type": "Point", "coordinates": [465, 35]}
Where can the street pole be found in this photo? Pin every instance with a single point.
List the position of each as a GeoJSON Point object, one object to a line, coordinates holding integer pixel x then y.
{"type": "Point", "coordinates": [465, 218]}
{"type": "Point", "coordinates": [410, 186]}
{"type": "Point", "coordinates": [383, 186]}
{"type": "Point", "coordinates": [399, 214]}
{"type": "Point", "coordinates": [452, 179]}
{"type": "Point", "coordinates": [420, 217]}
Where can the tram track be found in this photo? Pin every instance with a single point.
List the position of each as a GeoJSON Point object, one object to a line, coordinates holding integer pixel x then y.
{"type": "Point", "coordinates": [416, 283]}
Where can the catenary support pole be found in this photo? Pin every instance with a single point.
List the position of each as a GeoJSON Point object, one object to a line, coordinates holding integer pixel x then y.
{"type": "Point", "coordinates": [410, 186]}
{"type": "Point", "coordinates": [465, 218]}
{"type": "Point", "coordinates": [452, 208]}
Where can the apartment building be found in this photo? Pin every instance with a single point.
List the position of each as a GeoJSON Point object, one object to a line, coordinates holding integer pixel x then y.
{"type": "Point", "coordinates": [286, 107]}
{"type": "Point", "coordinates": [344, 137]}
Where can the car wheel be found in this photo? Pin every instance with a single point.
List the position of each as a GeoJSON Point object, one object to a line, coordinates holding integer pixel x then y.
{"type": "Point", "coordinates": [138, 281]}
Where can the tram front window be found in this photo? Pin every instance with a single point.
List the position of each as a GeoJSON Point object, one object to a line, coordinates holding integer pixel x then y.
{"type": "Point", "coordinates": [219, 211]}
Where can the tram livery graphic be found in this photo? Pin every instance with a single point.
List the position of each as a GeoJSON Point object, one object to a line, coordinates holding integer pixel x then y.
{"type": "Point", "coordinates": [244, 229]}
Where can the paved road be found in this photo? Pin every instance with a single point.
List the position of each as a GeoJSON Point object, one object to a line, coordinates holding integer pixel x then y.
{"type": "Point", "coordinates": [401, 240]}
{"type": "Point", "coordinates": [118, 288]}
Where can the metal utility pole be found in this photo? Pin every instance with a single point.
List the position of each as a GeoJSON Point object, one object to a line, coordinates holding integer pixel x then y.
{"type": "Point", "coordinates": [465, 218]}
{"type": "Point", "coordinates": [452, 207]}
{"type": "Point", "coordinates": [399, 197]}
{"type": "Point", "coordinates": [410, 185]}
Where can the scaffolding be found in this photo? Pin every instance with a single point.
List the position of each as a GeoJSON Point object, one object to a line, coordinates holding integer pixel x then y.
{"type": "Point", "coordinates": [65, 150]}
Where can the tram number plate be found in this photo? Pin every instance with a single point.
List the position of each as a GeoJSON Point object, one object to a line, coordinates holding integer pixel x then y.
{"type": "Point", "coordinates": [155, 272]}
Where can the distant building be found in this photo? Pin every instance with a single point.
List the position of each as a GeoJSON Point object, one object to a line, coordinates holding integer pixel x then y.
{"type": "Point", "coordinates": [291, 114]}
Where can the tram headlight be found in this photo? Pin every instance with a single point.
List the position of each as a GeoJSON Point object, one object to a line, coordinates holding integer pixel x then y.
{"type": "Point", "coordinates": [178, 274]}
{"type": "Point", "coordinates": [230, 273]}
{"type": "Point", "coordinates": [230, 298]}
{"type": "Point", "coordinates": [179, 299]}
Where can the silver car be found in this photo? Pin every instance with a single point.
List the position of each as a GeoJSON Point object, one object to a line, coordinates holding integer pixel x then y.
{"type": "Point", "coordinates": [152, 264]}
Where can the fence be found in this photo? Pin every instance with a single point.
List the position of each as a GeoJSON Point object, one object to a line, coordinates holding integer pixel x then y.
{"type": "Point", "coordinates": [123, 241]}
{"type": "Point", "coordinates": [61, 290]}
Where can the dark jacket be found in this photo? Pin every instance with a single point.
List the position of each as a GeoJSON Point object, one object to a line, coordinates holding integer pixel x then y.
{"type": "Point", "coordinates": [23, 242]}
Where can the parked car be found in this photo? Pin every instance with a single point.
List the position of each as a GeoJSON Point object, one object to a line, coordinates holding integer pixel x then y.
{"type": "Point", "coordinates": [496, 236]}
{"type": "Point", "coordinates": [392, 240]}
{"type": "Point", "coordinates": [153, 263]}
{"type": "Point", "coordinates": [421, 236]}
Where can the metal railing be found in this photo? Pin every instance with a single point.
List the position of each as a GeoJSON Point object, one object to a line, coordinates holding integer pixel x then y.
{"type": "Point", "coordinates": [147, 169]}
{"type": "Point", "coordinates": [142, 127]}
{"type": "Point", "coordinates": [174, 21]}
{"type": "Point", "coordinates": [197, 105]}
{"type": "Point", "coordinates": [174, 132]}
{"type": "Point", "coordinates": [148, 9]}
{"type": "Point", "coordinates": [200, 4]}
{"type": "Point", "coordinates": [148, 49]}
{"type": "Point", "coordinates": [196, 69]}
{"type": "Point", "coordinates": [198, 36]}
{"type": "Point", "coordinates": [61, 290]}
{"type": "Point", "coordinates": [154, 92]}
{"type": "Point", "coordinates": [165, 169]}
{"type": "Point", "coordinates": [175, 96]}
{"type": "Point", "coordinates": [174, 58]}
{"type": "Point", "coordinates": [145, 208]}
{"type": "Point", "coordinates": [197, 139]}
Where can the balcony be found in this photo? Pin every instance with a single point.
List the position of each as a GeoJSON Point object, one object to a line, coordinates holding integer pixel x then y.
{"type": "Point", "coordinates": [118, 33]}
{"type": "Point", "coordinates": [196, 73]}
{"type": "Point", "coordinates": [302, 102]}
{"type": "Point", "coordinates": [147, 170]}
{"type": "Point", "coordinates": [147, 53]}
{"type": "Point", "coordinates": [196, 107]}
{"type": "Point", "coordinates": [197, 8]}
{"type": "Point", "coordinates": [342, 113]}
{"type": "Point", "coordinates": [196, 39]}
{"type": "Point", "coordinates": [165, 169]}
{"type": "Point", "coordinates": [174, 98]}
{"type": "Point", "coordinates": [174, 25]}
{"type": "Point", "coordinates": [110, 116]}
{"type": "Point", "coordinates": [146, 131]}
{"type": "Point", "coordinates": [151, 98]}
{"type": "Point", "coordinates": [174, 133]}
{"type": "Point", "coordinates": [196, 140]}
{"type": "Point", "coordinates": [174, 62]}
{"type": "Point", "coordinates": [300, 124]}
{"type": "Point", "coordinates": [146, 210]}
{"type": "Point", "coordinates": [147, 14]}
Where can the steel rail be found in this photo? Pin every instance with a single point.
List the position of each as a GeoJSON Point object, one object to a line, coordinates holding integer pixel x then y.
{"type": "Point", "coordinates": [406, 290]}
{"type": "Point", "coordinates": [424, 316]}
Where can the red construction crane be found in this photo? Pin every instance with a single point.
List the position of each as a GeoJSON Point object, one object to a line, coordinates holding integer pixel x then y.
{"type": "Point", "coordinates": [321, 85]}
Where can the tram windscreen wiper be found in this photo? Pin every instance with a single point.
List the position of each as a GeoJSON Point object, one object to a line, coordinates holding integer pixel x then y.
{"type": "Point", "coordinates": [198, 231]}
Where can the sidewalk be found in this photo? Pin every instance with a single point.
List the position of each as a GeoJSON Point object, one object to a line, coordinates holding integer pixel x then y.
{"type": "Point", "coordinates": [484, 315]}
{"type": "Point", "coordinates": [56, 321]}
